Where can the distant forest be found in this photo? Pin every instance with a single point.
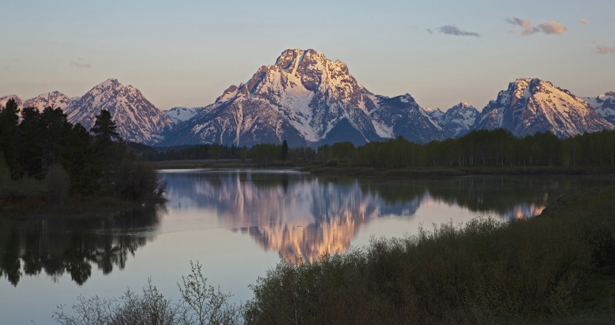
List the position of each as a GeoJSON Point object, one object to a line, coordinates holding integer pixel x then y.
{"type": "Point", "coordinates": [483, 148]}
{"type": "Point", "coordinates": [43, 155]}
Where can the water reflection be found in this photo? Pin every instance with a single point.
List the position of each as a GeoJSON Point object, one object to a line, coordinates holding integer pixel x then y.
{"type": "Point", "coordinates": [73, 245]}
{"type": "Point", "coordinates": [303, 217]}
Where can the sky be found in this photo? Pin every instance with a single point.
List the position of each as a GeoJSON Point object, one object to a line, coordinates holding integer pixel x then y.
{"type": "Point", "coordinates": [186, 53]}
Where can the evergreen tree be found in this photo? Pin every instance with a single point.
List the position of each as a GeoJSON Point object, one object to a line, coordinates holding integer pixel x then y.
{"type": "Point", "coordinates": [284, 150]}
{"type": "Point", "coordinates": [9, 136]}
{"type": "Point", "coordinates": [105, 128]}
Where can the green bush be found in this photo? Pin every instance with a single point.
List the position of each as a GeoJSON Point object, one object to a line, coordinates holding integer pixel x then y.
{"type": "Point", "coordinates": [483, 272]}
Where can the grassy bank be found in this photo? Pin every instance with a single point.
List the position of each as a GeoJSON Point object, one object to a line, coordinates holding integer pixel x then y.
{"type": "Point", "coordinates": [557, 267]}
{"type": "Point", "coordinates": [353, 171]}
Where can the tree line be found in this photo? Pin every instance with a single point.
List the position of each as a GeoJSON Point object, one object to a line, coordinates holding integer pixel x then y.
{"type": "Point", "coordinates": [46, 151]}
{"type": "Point", "coordinates": [482, 148]}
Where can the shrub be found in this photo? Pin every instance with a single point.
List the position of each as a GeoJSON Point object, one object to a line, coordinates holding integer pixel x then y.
{"type": "Point", "coordinates": [200, 304]}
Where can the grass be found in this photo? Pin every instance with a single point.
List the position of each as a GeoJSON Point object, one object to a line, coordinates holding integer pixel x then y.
{"type": "Point", "coordinates": [558, 267]}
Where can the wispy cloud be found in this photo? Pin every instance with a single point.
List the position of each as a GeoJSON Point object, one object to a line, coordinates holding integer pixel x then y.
{"type": "Point", "coordinates": [81, 63]}
{"type": "Point", "coordinates": [585, 21]}
{"type": "Point", "coordinates": [553, 27]}
{"type": "Point", "coordinates": [604, 49]}
{"type": "Point", "coordinates": [526, 25]}
{"type": "Point", "coordinates": [455, 31]}
{"type": "Point", "coordinates": [527, 28]}
{"type": "Point", "coordinates": [429, 31]}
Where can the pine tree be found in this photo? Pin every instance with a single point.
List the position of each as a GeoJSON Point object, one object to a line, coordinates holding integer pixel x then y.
{"type": "Point", "coordinates": [284, 150]}
{"type": "Point", "coordinates": [9, 136]}
{"type": "Point", "coordinates": [105, 128]}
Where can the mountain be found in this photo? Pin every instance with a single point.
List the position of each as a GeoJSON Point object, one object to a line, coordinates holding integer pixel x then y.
{"type": "Point", "coordinates": [530, 105]}
{"type": "Point", "coordinates": [435, 113]}
{"type": "Point", "coordinates": [53, 99]}
{"type": "Point", "coordinates": [306, 99]}
{"type": "Point", "coordinates": [136, 117]}
{"type": "Point", "coordinates": [459, 119]}
{"type": "Point", "coordinates": [604, 105]}
{"type": "Point", "coordinates": [5, 99]}
{"type": "Point", "coordinates": [182, 114]}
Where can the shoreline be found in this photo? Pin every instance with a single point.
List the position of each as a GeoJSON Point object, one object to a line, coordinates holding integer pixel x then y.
{"type": "Point", "coordinates": [38, 207]}
{"type": "Point", "coordinates": [370, 172]}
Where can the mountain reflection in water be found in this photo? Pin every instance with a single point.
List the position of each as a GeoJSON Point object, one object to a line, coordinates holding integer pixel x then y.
{"type": "Point", "coordinates": [303, 217]}
{"type": "Point", "coordinates": [299, 216]}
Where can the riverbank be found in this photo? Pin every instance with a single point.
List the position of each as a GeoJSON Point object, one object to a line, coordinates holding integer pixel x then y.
{"type": "Point", "coordinates": [352, 171]}
{"type": "Point", "coordinates": [38, 206]}
{"type": "Point", "coordinates": [369, 172]}
{"type": "Point", "coordinates": [555, 268]}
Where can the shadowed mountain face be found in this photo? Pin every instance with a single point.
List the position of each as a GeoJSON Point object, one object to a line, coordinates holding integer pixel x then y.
{"type": "Point", "coordinates": [604, 105]}
{"type": "Point", "coordinates": [302, 217]}
{"type": "Point", "coordinates": [306, 99]}
{"type": "Point", "coordinates": [73, 245]}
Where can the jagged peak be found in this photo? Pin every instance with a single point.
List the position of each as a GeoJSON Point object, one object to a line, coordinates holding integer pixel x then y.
{"type": "Point", "coordinates": [107, 83]}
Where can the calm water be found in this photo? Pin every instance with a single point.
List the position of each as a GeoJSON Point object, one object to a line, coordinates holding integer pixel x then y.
{"type": "Point", "coordinates": [238, 224]}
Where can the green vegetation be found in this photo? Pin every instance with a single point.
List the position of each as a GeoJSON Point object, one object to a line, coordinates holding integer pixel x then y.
{"type": "Point", "coordinates": [200, 303]}
{"type": "Point", "coordinates": [43, 155]}
{"type": "Point", "coordinates": [559, 266]}
{"type": "Point", "coordinates": [479, 152]}
{"type": "Point", "coordinates": [555, 268]}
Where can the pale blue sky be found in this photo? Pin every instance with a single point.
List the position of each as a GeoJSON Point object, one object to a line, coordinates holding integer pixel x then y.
{"type": "Point", "coordinates": [185, 53]}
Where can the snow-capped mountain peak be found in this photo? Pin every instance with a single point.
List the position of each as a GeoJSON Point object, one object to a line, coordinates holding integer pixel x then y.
{"type": "Point", "coordinates": [532, 105]}
{"type": "Point", "coordinates": [136, 117]}
{"type": "Point", "coordinates": [305, 98]}
{"type": "Point", "coordinates": [459, 119]}
{"type": "Point", "coordinates": [5, 99]}
{"type": "Point", "coordinates": [604, 105]}
{"type": "Point", "coordinates": [182, 114]}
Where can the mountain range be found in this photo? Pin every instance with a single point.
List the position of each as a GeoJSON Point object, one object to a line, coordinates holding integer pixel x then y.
{"type": "Point", "coordinates": [307, 99]}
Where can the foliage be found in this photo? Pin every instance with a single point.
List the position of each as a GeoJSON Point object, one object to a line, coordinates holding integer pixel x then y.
{"type": "Point", "coordinates": [483, 148]}
{"type": "Point", "coordinates": [200, 304]}
{"type": "Point", "coordinates": [484, 272]}
{"type": "Point", "coordinates": [45, 147]}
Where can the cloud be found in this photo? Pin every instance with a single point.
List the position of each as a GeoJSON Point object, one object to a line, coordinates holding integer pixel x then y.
{"type": "Point", "coordinates": [527, 28]}
{"type": "Point", "coordinates": [604, 49]}
{"type": "Point", "coordinates": [454, 30]}
{"type": "Point", "coordinates": [526, 25]}
{"type": "Point", "coordinates": [429, 31]}
{"type": "Point", "coordinates": [585, 21]}
{"type": "Point", "coordinates": [81, 63]}
{"type": "Point", "coordinates": [553, 27]}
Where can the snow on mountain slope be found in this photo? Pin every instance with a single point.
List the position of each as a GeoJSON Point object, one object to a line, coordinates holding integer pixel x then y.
{"type": "Point", "coordinates": [53, 99]}
{"type": "Point", "coordinates": [530, 105]}
{"type": "Point", "coordinates": [5, 99]}
{"type": "Point", "coordinates": [459, 119]}
{"type": "Point", "coordinates": [604, 105]}
{"type": "Point", "coordinates": [303, 98]}
{"type": "Point", "coordinates": [182, 114]}
{"type": "Point", "coordinates": [435, 113]}
{"type": "Point", "coordinates": [137, 118]}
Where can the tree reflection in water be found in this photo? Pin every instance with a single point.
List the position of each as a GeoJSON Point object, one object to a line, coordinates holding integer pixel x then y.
{"type": "Point", "coordinates": [73, 245]}
{"type": "Point", "coordinates": [303, 217]}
